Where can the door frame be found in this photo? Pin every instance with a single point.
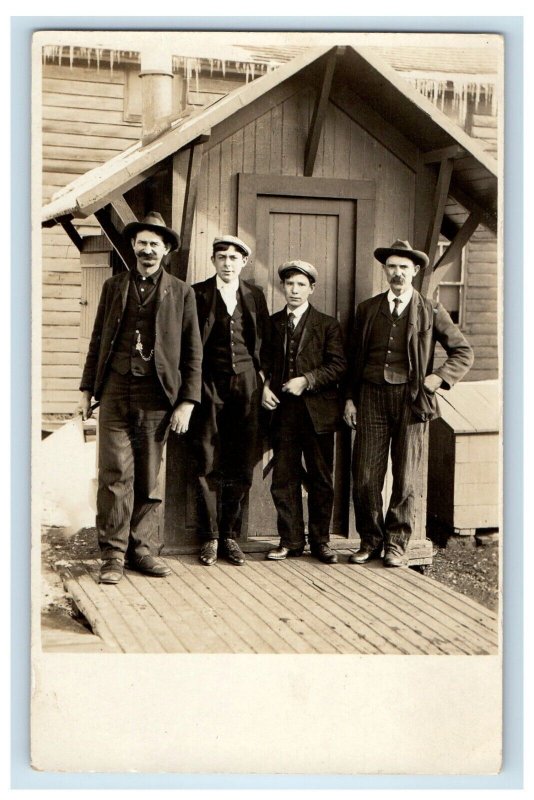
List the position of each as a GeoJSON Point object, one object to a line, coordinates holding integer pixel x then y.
{"type": "Point", "coordinates": [250, 186]}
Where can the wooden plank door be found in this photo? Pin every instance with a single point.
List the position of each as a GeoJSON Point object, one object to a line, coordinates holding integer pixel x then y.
{"type": "Point", "coordinates": [322, 232]}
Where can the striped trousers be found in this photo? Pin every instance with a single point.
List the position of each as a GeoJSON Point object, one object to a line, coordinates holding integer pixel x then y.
{"type": "Point", "coordinates": [386, 422]}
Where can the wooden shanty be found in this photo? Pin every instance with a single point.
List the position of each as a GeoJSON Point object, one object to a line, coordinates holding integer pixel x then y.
{"type": "Point", "coordinates": [325, 158]}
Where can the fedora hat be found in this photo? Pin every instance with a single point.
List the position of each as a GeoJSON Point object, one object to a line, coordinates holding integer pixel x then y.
{"type": "Point", "coordinates": [302, 266]}
{"type": "Point", "coordinates": [153, 222]}
{"type": "Point", "coordinates": [402, 247]}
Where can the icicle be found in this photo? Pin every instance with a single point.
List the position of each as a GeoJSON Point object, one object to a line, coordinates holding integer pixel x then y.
{"type": "Point", "coordinates": [97, 51]}
{"type": "Point", "coordinates": [71, 55]}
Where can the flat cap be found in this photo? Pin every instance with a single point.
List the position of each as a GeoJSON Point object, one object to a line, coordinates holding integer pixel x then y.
{"type": "Point", "coordinates": [301, 266]}
{"type": "Point", "coordinates": [228, 239]}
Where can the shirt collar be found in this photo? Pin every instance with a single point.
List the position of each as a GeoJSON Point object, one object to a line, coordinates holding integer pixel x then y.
{"type": "Point", "coordinates": [404, 298]}
{"type": "Point", "coordinates": [298, 312]}
{"type": "Point", "coordinates": [223, 287]}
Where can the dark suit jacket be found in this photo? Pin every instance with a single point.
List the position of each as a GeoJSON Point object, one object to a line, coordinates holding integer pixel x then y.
{"type": "Point", "coordinates": [428, 323]}
{"type": "Point", "coordinates": [177, 351]}
{"type": "Point", "coordinates": [255, 313]}
{"type": "Point", "coordinates": [320, 358]}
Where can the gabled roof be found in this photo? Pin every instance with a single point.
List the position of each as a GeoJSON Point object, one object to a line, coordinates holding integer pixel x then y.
{"type": "Point", "coordinates": [360, 71]}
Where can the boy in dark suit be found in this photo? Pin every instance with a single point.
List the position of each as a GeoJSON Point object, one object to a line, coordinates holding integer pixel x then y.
{"type": "Point", "coordinates": [234, 322]}
{"type": "Point", "coordinates": [306, 363]}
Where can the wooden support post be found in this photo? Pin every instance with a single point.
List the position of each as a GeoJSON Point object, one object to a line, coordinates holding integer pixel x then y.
{"type": "Point", "coordinates": [454, 249]}
{"type": "Point", "coordinates": [180, 169]}
{"type": "Point", "coordinates": [190, 199]}
{"type": "Point", "coordinates": [72, 233]}
{"type": "Point", "coordinates": [454, 151]}
{"type": "Point", "coordinates": [441, 194]}
{"type": "Point", "coordinates": [319, 115]}
{"type": "Point", "coordinates": [487, 218]}
{"type": "Point", "coordinates": [122, 211]}
{"type": "Point", "coordinates": [122, 248]}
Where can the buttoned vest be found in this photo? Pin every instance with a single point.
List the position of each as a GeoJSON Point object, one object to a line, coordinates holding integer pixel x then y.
{"type": "Point", "coordinates": [292, 346]}
{"type": "Point", "coordinates": [226, 348]}
{"type": "Point", "coordinates": [137, 328]}
{"type": "Point", "coordinates": [387, 353]}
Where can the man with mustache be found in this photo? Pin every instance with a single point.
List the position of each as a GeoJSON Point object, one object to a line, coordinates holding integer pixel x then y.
{"type": "Point", "coordinates": [390, 396]}
{"type": "Point", "coordinates": [144, 366]}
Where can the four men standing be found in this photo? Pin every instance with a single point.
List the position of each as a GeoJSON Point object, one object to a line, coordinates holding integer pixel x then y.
{"type": "Point", "coordinates": [155, 354]}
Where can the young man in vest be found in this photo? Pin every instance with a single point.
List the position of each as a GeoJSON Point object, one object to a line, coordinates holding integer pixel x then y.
{"type": "Point", "coordinates": [234, 322]}
{"type": "Point", "coordinates": [301, 391]}
{"type": "Point", "coordinates": [391, 394]}
{"type": "Point", "coordinates": [144, 365]}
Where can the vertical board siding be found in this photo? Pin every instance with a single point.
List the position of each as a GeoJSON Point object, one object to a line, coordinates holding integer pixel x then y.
{"type": "Point", "coordinates": [83, 126]}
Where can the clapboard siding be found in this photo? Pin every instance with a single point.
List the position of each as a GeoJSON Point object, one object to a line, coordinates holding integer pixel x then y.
{"type": "Point", "coordinates": [482, 306]}
{"type": "Point", "coordinates": [83, 127]}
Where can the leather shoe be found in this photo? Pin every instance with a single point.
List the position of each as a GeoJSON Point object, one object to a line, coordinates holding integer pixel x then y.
{"type": "Point", "coordinates": [393, 559]}
{"type": "Point", "coordinates": [150, 565]}
{"type": "Point", "coordinates": [234, 554]}
{"type": "Point", "coordinates": [111, 571]}
{"type": "Point", "coordinates": [324, 553]}
{"type": "Point", "coordinates": [365, 554]}
{"type": "Point", "coordinates": [281, 552]}
{"type": "Point", "coordinates": [208, 552]}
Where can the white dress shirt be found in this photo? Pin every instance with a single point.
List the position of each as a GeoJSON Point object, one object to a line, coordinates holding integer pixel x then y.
{"type": "Point", "coordinates": [404, 298]}
{"type": "Point", "coordinates": [298, 312]}
{"type": "Point", "coordinates": [228, 293]}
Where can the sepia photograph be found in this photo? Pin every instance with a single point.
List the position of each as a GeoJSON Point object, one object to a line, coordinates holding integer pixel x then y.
{"type": "Point", "coordinates": [267, 385]}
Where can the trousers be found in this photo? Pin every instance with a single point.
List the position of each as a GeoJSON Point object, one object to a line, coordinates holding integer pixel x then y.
{"type": "Point", "coordinates": [225, 442]}
{"type": "Point", "coordinates": [293, 436]}
{"type": "Point", "coordinates": [133, 426]}
{"type": "Point", "coordinates": [386, 422]}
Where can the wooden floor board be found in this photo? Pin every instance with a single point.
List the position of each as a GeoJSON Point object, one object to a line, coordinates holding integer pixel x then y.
{"type": "Point", "coordinates": [266, 641]}
{"type": "Point", "coordinates": [389, 588]}
{"type": "Point", "coordinates": [160, 620]}
{"type": "Point", "coordinates": [323, 612]}
{"type": "Point", "coordinates": [382, 619]}
{"type": "Point", "coordinates": [436, 614]}
{"type": "Point", "coordinates": [294, 606]}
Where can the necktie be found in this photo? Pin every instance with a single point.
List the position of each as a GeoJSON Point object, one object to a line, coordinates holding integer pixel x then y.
{"type": "Point", "coordinates": [291, 323]}
{"type": "Point", "coordinates": [395, 312]}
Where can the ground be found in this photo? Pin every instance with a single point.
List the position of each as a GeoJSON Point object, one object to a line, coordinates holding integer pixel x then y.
{"type": "Point", "coordinates": [467, 564]}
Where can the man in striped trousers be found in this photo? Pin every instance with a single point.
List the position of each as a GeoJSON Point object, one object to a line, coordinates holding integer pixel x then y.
{"type": "Point", "coordinates": [390, 396]}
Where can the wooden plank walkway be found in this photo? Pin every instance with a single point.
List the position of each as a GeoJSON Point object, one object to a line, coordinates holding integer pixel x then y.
{"type": "Point", "coordinates": [294, 606]}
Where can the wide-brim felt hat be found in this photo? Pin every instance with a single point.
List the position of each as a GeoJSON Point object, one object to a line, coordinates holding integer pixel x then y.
{"type": "Point", "coordinates": [402, 247]}
{"type": "Point", "coordinates": [301, 266]}
{"type": "Point", "coordinates": [153, 222]}
{"type": "Point", "coordinates": [229, 239]}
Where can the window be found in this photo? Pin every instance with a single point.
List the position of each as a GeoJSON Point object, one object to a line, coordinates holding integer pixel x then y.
{"type": "Point", "coordinates": [451, 290]}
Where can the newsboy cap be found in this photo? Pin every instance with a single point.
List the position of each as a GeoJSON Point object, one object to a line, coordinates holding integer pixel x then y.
{"type": "Point", "coordinates": [153, 222]}
{"type": "Point", "coordinates": [402, 247]}
{"type": "Point", "coordinates": [228, 239]}
{"type": "Point", "coordinates": [302, 266]}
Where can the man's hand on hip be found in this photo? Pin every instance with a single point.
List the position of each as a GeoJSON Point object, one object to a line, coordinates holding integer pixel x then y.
{"type": "Point", "coordinates": [350, 414]}
{"type": "Point", "coordinates": [433, 382]}
{"type": "Point", "coordinates": [181, 417]}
